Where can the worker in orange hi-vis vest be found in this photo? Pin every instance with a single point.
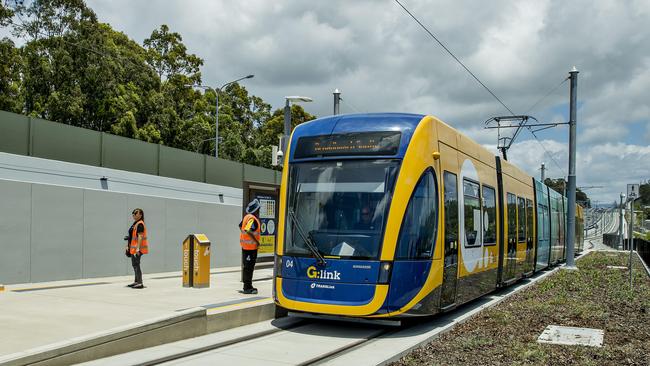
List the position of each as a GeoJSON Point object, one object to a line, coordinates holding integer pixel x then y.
{"type": "Point", "coordinates": [137, 245]}
{"type": "Point", "coordinates": [249, 239]}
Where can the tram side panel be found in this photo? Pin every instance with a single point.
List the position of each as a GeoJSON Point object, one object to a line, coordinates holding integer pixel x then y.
{"type": "Point", "coordinates": [580, 227]}
{"type": "Point", "coordinates": [556, 222]}
{"type": "Point", "coordinates": [478, 223]}
{"type": "Point", "coordinates": [450, 213]}
{"type": "Point", "coordinates": [519, 228]}
{"type": "Point", "coordinates": [565, 221]}
{"type": "Point", "coordinates": [543, 247]}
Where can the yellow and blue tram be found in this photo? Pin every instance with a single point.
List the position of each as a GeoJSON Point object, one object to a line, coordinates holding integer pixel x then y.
{"type": "Point", "coordinates": [399, 215]}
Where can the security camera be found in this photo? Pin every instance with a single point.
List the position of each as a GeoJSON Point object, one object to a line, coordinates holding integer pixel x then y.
{"type": "Point", "coordinates": [280, 154]}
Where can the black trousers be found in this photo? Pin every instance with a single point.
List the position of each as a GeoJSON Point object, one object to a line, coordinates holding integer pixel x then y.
{"type": "Point", "coordinates": [248, 259]}
{"type": "Point", "coordinates": [135, 262]}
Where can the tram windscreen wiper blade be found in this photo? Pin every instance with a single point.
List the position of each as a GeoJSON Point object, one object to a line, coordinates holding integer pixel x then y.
{"type": "Point", "coordinates": [310, 243]}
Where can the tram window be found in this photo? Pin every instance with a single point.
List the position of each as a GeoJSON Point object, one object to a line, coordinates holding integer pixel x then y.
{"type": "Point", "coordinates": [489, 215]}
{"type": "Point", "coordinates": [451, 216]}
{"type": "Point", "coordinates": [472, 212]}
{"type": "Point", "coordinates": [521, 219]}
{"type": "Point", "coordinates": [341, 206]}
{"type": "Point", "coordinates": [418, 233]}
{"type": "Point", "coordinates": [512, 216]}
{"type": "Point", "coordinates": [529, 218]}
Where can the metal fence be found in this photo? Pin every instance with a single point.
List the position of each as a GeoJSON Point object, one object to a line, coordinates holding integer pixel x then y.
{"type": "Point", "coordinates": [612, 240]}
{"type": "Point", "coordinates": [50, 140]}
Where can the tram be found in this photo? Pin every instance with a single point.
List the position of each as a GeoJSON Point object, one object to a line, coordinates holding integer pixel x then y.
{"type": "Point", "coordinates": [400, 215]}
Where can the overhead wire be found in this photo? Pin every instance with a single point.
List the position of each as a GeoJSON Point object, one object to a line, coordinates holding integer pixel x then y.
{"type": "Point", "coordinates": [547, 152]}
{"type": "Point", "coordinates": [483, 85]}
{"type": "Point", "coordinates": [546, 95]}
{"type": "Point", "coordinates": [523, 124]}
{"type": "Point", "coordinates": [454, 57]}
{"type": "Point", "coordinates": [551, 91]}
{"type": "Point", "coordinates": [349, 105]}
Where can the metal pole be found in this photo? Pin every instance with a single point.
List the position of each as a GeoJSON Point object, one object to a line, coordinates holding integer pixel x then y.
{"type": "Point", "coordinates": [287, 126]}
{"type": "Point", "coordinates": [216, 128]}
{"type": "Point", "coordinates": [630, 240]}
{"type": "Point", "coordinates": [571, 212]}
{"type": "Point", "coordinates": [543, 171]}
{"type": "Point", "coordinates": [620, 223]}
{"type": "Point", "coordinates": [337, 101]}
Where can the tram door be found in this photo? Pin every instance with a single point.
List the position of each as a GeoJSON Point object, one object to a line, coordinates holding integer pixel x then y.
{"type": "Point", "coordinates": [450, 272]}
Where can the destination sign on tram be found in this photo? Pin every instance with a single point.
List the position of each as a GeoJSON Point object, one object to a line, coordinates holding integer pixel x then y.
{"type": "Point", "coordinates": [365, 143]}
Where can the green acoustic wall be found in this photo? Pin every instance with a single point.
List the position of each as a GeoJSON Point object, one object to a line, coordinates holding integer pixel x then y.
{"type": "Point", "coordinates": [50, 140]}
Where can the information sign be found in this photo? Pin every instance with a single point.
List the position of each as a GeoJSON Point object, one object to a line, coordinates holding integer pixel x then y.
{"type": "Point", "coordinates": [632, 191]}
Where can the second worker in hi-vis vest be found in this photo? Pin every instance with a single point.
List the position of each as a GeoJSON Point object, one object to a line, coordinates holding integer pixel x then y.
{"type": "Point", "coordinates": [249, 239]}
{"type": "Point", "coordinates": [137, 245]}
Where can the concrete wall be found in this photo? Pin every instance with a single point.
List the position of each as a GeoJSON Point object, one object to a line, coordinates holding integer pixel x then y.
{"type": "Point", "coordinates": [52, 233]}
{"type": "Point", "coordinates": [59, 221]}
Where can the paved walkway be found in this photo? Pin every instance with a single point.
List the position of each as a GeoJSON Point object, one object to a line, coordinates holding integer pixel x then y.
{"type": "Point", "coordinates": [34, 315]}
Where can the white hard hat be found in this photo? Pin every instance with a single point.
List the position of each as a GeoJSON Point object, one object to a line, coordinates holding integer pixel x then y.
{"type": "Point", "coordinates": [253, 206]}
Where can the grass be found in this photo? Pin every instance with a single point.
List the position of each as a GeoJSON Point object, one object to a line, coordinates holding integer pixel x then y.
{"type": "Point", "coordinates": [593, 297]}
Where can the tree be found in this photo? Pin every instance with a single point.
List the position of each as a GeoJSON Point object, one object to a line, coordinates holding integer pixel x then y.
{"type": "Point", "coordinates": [644, 193]}
{"type": "Point", "coordinates": [73, 69]}
{"type": "Point", "coordinates": [11, 93]}
{"type": "Point", "coordinates": [168, 56]}
{"type": "Point", "coordinates": [5, 15]}
{"type": "Point", "coordinates": [274, 128]}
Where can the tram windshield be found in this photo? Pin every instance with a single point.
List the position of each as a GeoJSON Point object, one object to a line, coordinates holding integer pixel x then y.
{"type": "Point", "coordinates": [340, 206]}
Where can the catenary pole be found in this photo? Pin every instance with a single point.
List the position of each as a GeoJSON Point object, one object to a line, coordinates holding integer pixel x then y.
{"type": "Point", "coordinates": [337, 101]}
{"type": "Point", "coordinates": [621, 208]}
{"type": "Point", "coordinates": [630, 240]}
{"type": "Point", "coordinates": [571, 212]}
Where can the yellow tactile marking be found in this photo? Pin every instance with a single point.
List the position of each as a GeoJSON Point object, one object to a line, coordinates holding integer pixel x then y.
{"type": "Point", "coordinates": [268, 299]}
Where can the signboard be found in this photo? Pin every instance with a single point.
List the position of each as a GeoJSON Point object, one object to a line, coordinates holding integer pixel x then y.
{"type": "Point", "coordinates": [268, 223]}
{"type": "Point", "coordinates": [632, 191]}
{"type": "Point", "coordinates": [359, 143]}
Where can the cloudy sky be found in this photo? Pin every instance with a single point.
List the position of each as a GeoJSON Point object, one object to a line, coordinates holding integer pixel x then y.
{"type": "Point", "coordinates": [381, 60]}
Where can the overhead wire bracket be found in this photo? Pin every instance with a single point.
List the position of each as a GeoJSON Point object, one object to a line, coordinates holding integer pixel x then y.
{"type": "Point", "coordinates": [515, 121]}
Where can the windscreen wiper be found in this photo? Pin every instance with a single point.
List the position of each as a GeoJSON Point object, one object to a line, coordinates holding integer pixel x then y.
{"type": "Point", "coordinates": [307, 239]}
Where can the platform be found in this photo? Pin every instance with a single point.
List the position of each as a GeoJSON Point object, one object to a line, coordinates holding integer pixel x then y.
{"type": "Point", "coordinates": [61, 322]}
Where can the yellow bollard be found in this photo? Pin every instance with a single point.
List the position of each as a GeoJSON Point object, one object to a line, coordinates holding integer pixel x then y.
{"type": "Point", "coordinates": [201, 261]}
{"type": "Point", "coordinates": [196, 261]}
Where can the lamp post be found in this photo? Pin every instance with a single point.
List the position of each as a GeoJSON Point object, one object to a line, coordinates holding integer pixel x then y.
{"type": "Point", "coordinates": [287, 118]}
{"type": "Point", "coordinates": [216, 93]}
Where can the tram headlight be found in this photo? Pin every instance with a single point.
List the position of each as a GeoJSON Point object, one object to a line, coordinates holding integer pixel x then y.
{"type": "Point", "coordinates": [385, 269]}
{"type": "Point", "coordinates": [277, 267]}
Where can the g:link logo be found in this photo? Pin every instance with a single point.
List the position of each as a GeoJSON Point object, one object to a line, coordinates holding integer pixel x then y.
{"type": "Point", "coordinates": [323, 274]}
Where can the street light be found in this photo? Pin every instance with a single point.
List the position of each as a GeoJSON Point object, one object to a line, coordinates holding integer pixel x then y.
{"type": "Point", "coordinates": [216, 93]}
{"type": "Point", "coordinates": [287, 117]}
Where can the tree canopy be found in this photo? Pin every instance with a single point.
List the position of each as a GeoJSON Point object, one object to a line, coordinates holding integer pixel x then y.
{"type": "Point", "coordinates": [76, 70]}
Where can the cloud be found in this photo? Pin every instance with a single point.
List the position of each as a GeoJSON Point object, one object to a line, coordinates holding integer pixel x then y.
{"type": "Point", "coordinates": [381, 60]}
{"type": "Point", "coordinates": [609, 165]}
